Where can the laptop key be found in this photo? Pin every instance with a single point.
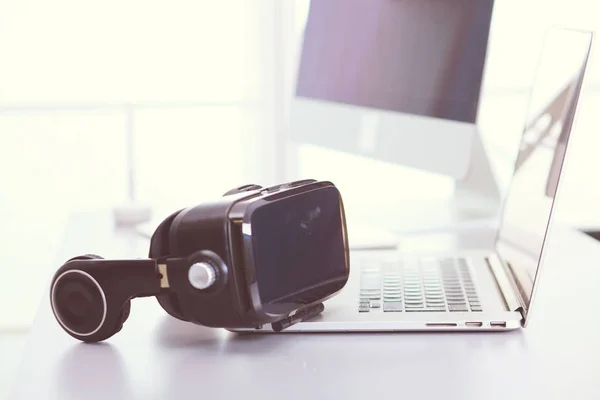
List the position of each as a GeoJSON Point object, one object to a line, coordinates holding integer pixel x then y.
{"type": "Point", "coordinates": [393, 292]}
{"type": "Point", "coordinates": [392, 299]}
{"type": "Point", "coordinates": [435, 301]}
{"type": "Point", "coordinates": [413, 299]}
{"type": "Point", "coordinates": [392, 284]}
{"type": "Point", "coordinates": [435, 298]}
{"type": "Point", "coordinates": [367, 292]}
{"type": "Point", "coordinates": [371, 288]}
{"type": "Point", "coordinates": [451, 281]}
{"type": "Point", "coordinates": [432, 286]}
{"type": "Point", "coordinates": [392, 287]}
{"type": "Point", "coordinates": [395, 306]}
{"type": "Point", "coordinates": [435, 304]}
{"type": "Point", "coordinates": [453, 307]}
{"type": "Point", "coordinates": [392, 295]}
{"type": "Point", "coordinates": [371, 297]}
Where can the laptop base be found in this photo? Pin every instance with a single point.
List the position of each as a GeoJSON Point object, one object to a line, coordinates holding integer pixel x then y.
{"type": "Point", "coordinates": [342, 313]}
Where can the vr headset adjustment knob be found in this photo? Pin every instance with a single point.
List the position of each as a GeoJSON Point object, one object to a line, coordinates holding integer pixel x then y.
{"type": "Point", "coordinates": [202, 275]}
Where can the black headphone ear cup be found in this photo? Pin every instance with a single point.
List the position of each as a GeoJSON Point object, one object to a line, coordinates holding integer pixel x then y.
{"type": "Point", "coordinates": [125, 312]}
{"type": "Point", "coordinates": [126, 307]}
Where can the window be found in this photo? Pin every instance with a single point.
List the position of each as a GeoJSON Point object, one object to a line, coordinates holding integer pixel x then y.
{"type": "Point", "coordinates": [186, 83]}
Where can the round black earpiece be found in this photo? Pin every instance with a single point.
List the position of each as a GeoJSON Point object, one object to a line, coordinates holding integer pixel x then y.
{"type": "Point", "coordinates": [91, 297]}
{"type": "Point", "coordinates": [78, 301]}
{"type": "Point", "coordinates": [126, 307]}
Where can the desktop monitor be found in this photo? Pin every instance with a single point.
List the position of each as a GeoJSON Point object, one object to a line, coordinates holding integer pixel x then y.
{"type": "Point", "coordinates": [394, 80]}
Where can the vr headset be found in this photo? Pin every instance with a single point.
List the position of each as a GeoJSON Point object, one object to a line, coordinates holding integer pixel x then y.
{"type": "Point", "coordinates": [255, 256]}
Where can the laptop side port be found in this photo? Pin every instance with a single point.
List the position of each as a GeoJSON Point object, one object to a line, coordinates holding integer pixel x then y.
{"type": "Point", "coordinates": [498, 324]}
{"type": "Point", "coordinates": [475, 324]}
{"type": "Point", "coordinates": [441, 324]}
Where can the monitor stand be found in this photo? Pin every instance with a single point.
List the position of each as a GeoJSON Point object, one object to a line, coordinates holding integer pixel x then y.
{"type": "Point", "coordinates": [475, 202]}
{"type": "Point", "coordinates": [477, 196]}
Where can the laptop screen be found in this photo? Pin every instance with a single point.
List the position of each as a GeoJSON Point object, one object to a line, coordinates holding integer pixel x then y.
{"type": "Point", "coordinates": [528, 207]}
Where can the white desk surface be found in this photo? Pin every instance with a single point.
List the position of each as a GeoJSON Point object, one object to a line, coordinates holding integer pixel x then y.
{"type": "Point", "coordinates": [158, 357]}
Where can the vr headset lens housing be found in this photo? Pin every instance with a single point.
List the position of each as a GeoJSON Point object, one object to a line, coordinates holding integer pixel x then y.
{"type": "Point", "coordinates": [296, 250]}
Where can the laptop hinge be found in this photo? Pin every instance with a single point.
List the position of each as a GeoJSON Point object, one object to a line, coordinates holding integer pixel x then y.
{"type": "Point", "coordinates": [508, 285]}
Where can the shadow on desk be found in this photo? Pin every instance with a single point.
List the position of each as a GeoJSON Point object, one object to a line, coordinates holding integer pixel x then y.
{"type": "Point", "coordinates": [76, 374]}
{"type": "Point", "coordinates": [172, 333]}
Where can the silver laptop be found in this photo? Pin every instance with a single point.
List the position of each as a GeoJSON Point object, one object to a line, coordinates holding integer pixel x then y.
{"type": "Point", "coordinates": [459, 286]}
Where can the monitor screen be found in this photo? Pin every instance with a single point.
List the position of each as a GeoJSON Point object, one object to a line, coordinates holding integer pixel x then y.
{"type": "Point", "coordinates": [531, 196]}
{"type": "Point", "coordinates": [420, 57]}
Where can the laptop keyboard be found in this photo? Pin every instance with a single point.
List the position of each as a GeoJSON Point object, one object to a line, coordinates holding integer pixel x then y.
{"type": "Point", "coordinates": [428, 284]}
